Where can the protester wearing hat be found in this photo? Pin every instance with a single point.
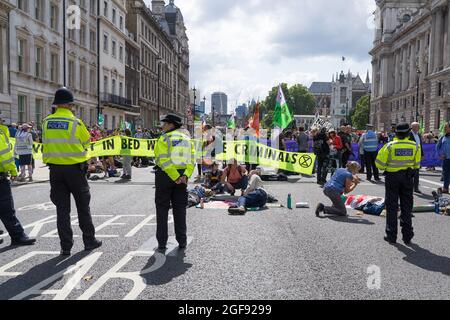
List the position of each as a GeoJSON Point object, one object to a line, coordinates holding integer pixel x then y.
{"type": "Point", "coordinates": [342, 182]}
{"type": "Point", "coordinates": [369, 144]}
{"type": "Point", "coordinates": [255, 196]}
{"type": "Point", "coordinates": [174, 155]}
{"type": "Point", "coordinates": [24, 149]}
{"type": "Point", "coordinates": [400, 159]}
{"type": "Point", "coordinates": [65, 139]}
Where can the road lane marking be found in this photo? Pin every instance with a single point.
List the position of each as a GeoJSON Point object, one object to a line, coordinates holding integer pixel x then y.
{"type": "Point", "coordinates": [432, 182]}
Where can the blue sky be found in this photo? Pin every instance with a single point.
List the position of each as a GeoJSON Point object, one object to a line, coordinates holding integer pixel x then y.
{"type": "Point", "coordinates": [244, 47]}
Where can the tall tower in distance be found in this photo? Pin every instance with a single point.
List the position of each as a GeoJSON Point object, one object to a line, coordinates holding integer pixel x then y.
{"type": "Point", "coordinates": [219, 102]}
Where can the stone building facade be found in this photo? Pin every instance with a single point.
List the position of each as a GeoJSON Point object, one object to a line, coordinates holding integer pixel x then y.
{"type": "Point", "coordinates": [164, 59]}
{"type": "Point", "coordinates": [411, 63]}
{"type": "Point", "coordinates": [37, 67]}
{"type": "Point", "coordinates": [346, 90]}
{"type": "Point", "coordinates": [5, 96]}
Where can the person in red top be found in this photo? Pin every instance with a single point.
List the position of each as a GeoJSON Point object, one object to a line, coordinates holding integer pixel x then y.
{"type": "Point", "coordinates": [336, 147]}
{"type": "Point", "coordinates": [234, 177]}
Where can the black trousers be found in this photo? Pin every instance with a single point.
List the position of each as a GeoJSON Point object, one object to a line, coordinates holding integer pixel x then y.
{"type": "Point", "coordinates": [416, 180]}
{"type": "Point", "coordinates": [7, 212]}
{"type": "Point", "coordinates": [345, 156]}
{"type": "Point", "coordinates": [64, 181]}
{"type": "Point", "coordinates": [322, 172]}
{"type": "Point", "coordinates": [399, 186]}
{"type": "Point", "coordinates": [168, 192]}
{"type": "Point", "coordinates": [371, 167]}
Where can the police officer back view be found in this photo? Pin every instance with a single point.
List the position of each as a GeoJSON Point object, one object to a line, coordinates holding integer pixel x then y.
{"type": "Point", "coordinates": [175, 165]}
{"type": "Point", "coordinates": [400, 158]}
{"type": "Point", "coordinates": [7, 212]}
{"type": "Point", "coordinates": [64, 139]}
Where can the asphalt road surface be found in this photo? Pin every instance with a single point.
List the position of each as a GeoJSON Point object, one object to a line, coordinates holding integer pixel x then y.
{"type": "Point", "coordinates": [273, 254]}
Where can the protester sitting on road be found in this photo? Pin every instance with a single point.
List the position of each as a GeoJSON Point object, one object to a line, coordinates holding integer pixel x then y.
{"type": "Point", "coordinates": [255, 196]}
{"type": "Point", "coordinates": [212, 179]}
{"type": "Point", "coordinates": [234, 177]}
{"type": "Point", "coordinates": [343, 181]}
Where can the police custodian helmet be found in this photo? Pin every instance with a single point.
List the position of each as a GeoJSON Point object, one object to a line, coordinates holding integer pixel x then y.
{"type": "Point", "coordinates": [172, 118]}
{"type": "Point", "coordinates": [403, 128]}
{"type": "Point", "coordinates": [63, 96]}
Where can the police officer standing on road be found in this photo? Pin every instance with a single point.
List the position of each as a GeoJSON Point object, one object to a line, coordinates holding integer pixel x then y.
{"type": "Point", "coordinates": [174, 154]}
{"type": "Point", "coordinates": [64, 141]}
{"type": "Point", "coordinates": [400, 158]}
{"type": "Point", "coordinates": [7, 212]}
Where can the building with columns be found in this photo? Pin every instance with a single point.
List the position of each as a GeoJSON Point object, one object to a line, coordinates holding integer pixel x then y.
{"type": "Point", "coordinates": [5, 96]}
{"type": "Point", "coordinates": [411, 63]}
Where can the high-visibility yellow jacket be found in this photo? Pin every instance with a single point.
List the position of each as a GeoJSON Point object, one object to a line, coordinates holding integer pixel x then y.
{"type": "Point", "coordinates": [64, 138]}
{"type": "Point", "coordinates": [399, 155]}
{"type": "Point", "coordinates": [5, 130]}
{"type": "Point", "coordinates": [7, 161]}
{"type": "Point", "coordinates": [175, 151]}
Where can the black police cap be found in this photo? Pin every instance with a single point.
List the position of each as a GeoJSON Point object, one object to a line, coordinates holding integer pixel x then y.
{"type": "Point", "coordinates": [63, 96]}
{"type": "Point", "coordinates": [403, 128]}
{"type": "Point", "coordinates": [173, 118]}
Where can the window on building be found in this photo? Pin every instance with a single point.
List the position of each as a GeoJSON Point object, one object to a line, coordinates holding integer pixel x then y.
{"type": "Point", "coordinates": [72, 74]}
{"type": "Point", "coordinates": [54, 63]}
{"type": "Point", "coordinates": [93, 81]}
{"type": "Point", "coordinates": [121, 89]}
{"type": "Point", "coordinates": [105, 43]}
{"type": "Point", "coordinates": [114, 16]}
{"type": "Point", "coordinates": [54, 16]}
{"type": "Point", "coordinates": [121, 53]}
{"type": "Point", "coordinates": [438, 119]}
{"type": "Point", "coordinates": [22, 108]}
{"type": "Point", "coordinates": [21, 48]}
{"type": "Point", "coordinates": [105, 84]}
{"type": "Point", "coordinates": [105, 8]}
{"type": "Point", "coordinates": [83, 4]}
{"type": "Point", "coordinates": [113, 124]}
{"type": "Point", "coordinates": [83, 78]}
{"type": "Point", "coordinates": [121, 23]}
{"type": "Point", "coordinates": [439, 91]}
{"type": "Point", "coordinates": [38, 110]}
{"type": "Point", "coordinates": [39, 10]}
{"type": "Point", "coordinates": [93, 40]}
{"type": "Point", "coordinates": [83, 35]}
{"type": "Point", "coordinates": [39, 62]}
{"type": "Point", "coordinates": [106, 121]}
{"type": "Point", "coordinates": [113, 86]}
{"type": "Point", "coordinates": [114, 48]}
{"type": "Point", "coordinates": [22, 5]}
{"type": "Point", "coordinates": [93, 6]}
{"type": "Point", "coordinates": [71, 34]}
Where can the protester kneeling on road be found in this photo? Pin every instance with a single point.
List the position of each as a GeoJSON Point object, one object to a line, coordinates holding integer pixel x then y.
{"type": "Point", "coordinates": [234, 177]}
{"type": "Point", "coordinates": [255, 196]}
{"type": "Point", "coordinates": [343, 181]}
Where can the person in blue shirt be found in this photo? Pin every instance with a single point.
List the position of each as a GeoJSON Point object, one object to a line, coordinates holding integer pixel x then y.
{"type": "Point", "coordinates": [443, 150]}
{"type": "Point", "coordinates": [13, 130]}
{"type": "Point", "coordinates": [343, 181]}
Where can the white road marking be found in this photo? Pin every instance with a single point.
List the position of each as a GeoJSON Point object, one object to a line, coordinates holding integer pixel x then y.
{"type": "Point", "coordinates": [432, 182]}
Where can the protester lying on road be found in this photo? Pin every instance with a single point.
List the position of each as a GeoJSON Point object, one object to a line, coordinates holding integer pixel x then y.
{"type": "Point", "coordinates": [343, 181]}
{"type": "Point", "coordinates": [255, 196]}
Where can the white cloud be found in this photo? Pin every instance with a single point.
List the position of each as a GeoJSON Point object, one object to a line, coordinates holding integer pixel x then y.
{"type": "Point", "coordinates": [244, 48]}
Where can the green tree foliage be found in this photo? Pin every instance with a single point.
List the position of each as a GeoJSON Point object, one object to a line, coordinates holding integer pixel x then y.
{"type": "Point", "coordinates": [360, 118]}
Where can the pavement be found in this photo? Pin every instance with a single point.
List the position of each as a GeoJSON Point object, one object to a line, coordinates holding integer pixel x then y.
{"type": "Point", "coordinates": [276, 254]}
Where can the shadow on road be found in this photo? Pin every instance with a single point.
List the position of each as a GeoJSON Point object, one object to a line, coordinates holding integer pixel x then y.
{"type": "Point", "coordinates": [37, 274]}
{"type": "Point", "coordinates": [349, 220]}
{"type": "Point", "coordinates": [173, 268]}
{"type": "Point", "coordinates": [425, 259]}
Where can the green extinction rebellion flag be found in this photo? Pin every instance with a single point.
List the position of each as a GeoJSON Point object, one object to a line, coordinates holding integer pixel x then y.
{"type": "Point", "coordinates": [231, 123]}
{"type": "Point", "coordinates": [282, 117]}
